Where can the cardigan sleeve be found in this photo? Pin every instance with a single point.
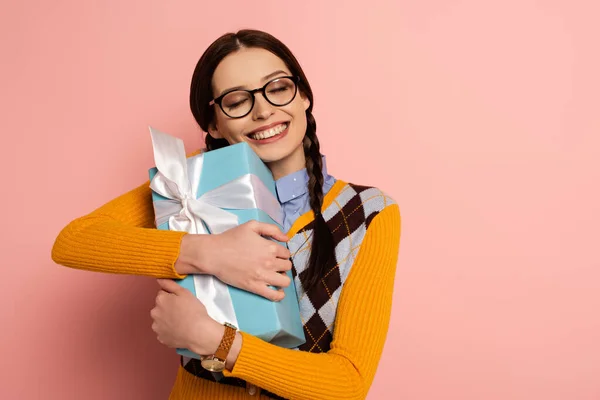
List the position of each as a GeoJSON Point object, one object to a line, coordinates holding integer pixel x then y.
{"type": "Point", "coordinates": [347, 370]}
{"type": "Point", "coordinates": [120, 237]}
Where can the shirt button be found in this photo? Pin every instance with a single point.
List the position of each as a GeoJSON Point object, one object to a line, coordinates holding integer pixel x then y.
{"type": "Point", "coordinates": [294, 179]}
{"type": "Point", "coordinates": [251, 389]}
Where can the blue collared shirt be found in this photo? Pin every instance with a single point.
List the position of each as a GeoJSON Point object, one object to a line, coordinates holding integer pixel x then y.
{"type": "Point", "coordinates": [292, 191]}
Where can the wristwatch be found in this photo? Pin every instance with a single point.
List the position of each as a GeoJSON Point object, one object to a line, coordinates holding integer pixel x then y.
{"type": "Point", "coordinates": [216, 362]}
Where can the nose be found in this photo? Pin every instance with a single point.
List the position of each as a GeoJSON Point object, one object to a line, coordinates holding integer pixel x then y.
{"type": "Point", "coordinates": [262, 108]}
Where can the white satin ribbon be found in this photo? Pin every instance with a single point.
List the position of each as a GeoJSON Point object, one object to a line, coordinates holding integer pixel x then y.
{"type": "Point", "coordinates": [178, 179]}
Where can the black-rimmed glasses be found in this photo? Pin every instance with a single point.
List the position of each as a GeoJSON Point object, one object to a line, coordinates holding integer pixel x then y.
{"type": "Point", "coordinates": [238, 103]}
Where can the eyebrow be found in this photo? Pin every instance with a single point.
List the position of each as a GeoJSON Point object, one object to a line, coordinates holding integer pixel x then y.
{"type": "Point", "coordinates": [265, 78]}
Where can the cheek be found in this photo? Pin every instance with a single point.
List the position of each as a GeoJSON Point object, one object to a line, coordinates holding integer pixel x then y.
{"type": "Point", "coordinates": [301, 130]}
{"type": "Point", "coordinates": [299, 115]}
{"type": "Point", "coordinates": [230, 129]}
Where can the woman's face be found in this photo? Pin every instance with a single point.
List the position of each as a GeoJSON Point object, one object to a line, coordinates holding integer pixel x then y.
{"type": "Point", "coordinates": [275, 133]}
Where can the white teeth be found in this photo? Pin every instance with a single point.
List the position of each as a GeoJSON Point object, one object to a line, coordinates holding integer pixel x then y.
{"type": "Point", "coordinates": [276, 130]}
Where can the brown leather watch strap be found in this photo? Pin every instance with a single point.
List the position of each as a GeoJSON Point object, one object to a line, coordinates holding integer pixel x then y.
{"type": "Point", "coordinates": [226, 342]}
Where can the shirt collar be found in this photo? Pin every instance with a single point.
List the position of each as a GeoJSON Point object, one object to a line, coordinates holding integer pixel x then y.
{"type": "Point", "coordinates": [295, 184]}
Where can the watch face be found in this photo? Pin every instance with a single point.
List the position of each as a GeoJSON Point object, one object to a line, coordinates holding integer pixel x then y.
{"type": "Point", "coordinates": [213, 365]}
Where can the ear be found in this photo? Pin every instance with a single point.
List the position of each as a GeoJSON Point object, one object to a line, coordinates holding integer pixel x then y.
{"type": "Point", "coordinates": [214, 131]}
{"type": "Point", "coordinates": [305, 101]}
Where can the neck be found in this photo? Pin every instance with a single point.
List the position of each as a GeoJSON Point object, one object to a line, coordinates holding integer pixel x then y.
{"type": "Point", "coordinates": [292, 163]}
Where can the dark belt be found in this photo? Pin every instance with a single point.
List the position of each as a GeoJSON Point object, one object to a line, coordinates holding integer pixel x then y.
{"type": "Point", "coordinates": [195, 368]}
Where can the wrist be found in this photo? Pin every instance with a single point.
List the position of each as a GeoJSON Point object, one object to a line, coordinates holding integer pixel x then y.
{"type": "Point", "coordinates": [203, 245]}
{"type": "Point", "coordinates": [236, 348]}
{"type": "Point", "coordinates": [193, 253]}
{"type": "Point", "coordinates": [206, 341]}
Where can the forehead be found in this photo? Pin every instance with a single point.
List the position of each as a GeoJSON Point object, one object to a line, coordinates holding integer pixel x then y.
{"type": "Point", "coordinates": [246, 67]}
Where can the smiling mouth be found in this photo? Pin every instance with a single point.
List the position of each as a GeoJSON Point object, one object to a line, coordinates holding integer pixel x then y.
{"type": "Point", "coordinates": [269, 133]}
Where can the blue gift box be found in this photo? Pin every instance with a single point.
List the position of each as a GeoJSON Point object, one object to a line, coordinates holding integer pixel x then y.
{"type": "Point", "coordinates": [276, 322]}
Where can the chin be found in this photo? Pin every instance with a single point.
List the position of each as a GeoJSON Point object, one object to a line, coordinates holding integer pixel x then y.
{"type": "Point", "coordinates": [278, 151]}
{"type": "Point", "coordinates": [270, 154]}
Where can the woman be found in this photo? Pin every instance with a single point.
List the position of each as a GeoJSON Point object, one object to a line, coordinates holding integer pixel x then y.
{"type": "Point", "coordinates": [343, 242]}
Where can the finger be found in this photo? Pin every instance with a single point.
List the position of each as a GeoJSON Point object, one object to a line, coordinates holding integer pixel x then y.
{"type": "Point", "coordinates": [170, 286]}
{"type": "Point", "coordinates": [270, 230]}
{"type": "Point", "coordinates": [278, 280]}
{"type": "Point", "coordinates": [279, 251]}
{"type": "Point", "coordinates": [269, 293]}
{"type": "Point", "coordinates": [160, 296]}
{"type": "Point", "coordinates": [282, 265]}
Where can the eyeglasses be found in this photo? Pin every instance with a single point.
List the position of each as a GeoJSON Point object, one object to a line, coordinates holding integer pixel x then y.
{"type": "Point", "coordinates": [238, 103]}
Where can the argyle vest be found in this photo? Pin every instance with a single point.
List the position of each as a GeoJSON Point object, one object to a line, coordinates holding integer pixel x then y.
{"type": "Point", "coordinates": [348, 217]}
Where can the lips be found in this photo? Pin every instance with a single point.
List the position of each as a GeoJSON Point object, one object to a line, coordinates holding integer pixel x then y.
{"type": "Point", "coordinates": [265, 127]}
{"type": "Point", "coordinates": [269, 133]}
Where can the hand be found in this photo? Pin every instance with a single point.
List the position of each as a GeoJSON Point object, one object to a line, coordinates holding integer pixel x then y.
{"type": "Point", "coordinates": [243, 258]}
{"type": "Point", "coordinates": [180, 320]}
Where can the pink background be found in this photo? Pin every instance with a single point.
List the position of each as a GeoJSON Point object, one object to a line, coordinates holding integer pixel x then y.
{"type": "Point", "coordinates": [480, 117]}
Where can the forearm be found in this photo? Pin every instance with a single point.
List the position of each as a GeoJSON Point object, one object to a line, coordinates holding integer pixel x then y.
{"type": "Point", "coordinates": [109, 246]}
{"type": "Point", "coordinates": [300, 375]}
{"type": "Point", "coordinates": [120, 237]}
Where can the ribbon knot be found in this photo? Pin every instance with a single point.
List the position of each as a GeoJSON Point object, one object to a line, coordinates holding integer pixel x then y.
{"type": "Point", "coordinates": [185, 203]}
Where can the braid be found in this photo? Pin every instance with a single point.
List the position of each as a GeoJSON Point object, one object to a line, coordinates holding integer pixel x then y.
{"type": "Point", "coordinates": [322, 249]}
{"type": "Point", "coordinates": [314, 164]}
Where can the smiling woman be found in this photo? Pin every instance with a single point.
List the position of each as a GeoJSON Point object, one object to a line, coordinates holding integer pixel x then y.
{"type": "Point", "coordinates": [280, 108]}
{"type": "Point", "coordinates": [342, 241]}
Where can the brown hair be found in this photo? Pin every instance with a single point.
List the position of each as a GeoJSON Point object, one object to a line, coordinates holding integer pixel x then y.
{"type": "Point", "coordinates": [322, 250]}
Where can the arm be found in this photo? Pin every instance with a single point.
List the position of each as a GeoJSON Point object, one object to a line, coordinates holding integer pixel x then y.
{"type": "Point", "coordinates": [120, 237]}
{"type": "Point", "coordinates": [348, 369]}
